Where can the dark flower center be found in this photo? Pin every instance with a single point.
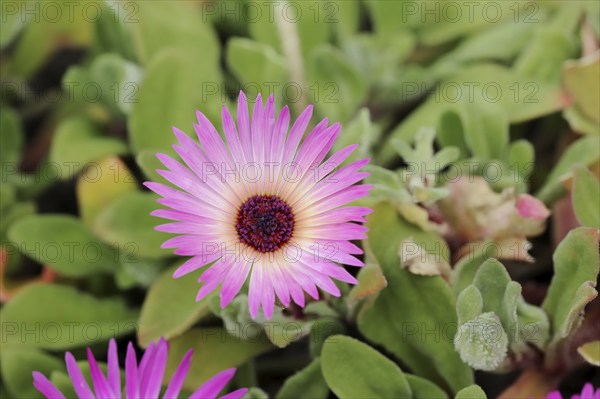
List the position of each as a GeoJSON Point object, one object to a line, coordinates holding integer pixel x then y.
{"type": "Point", "coordinates": [265, 222]}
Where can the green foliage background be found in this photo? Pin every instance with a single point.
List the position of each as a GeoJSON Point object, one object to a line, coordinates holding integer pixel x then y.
{"type": "Point", "coordinates": [89, 98]}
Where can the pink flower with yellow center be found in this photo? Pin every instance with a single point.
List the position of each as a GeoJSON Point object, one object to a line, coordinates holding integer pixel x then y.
{"type": "Point", "coordinates": [264, 205]}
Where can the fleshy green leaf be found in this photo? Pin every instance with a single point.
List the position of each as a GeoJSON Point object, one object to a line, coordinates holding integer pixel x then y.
{"type": "Point", "coordinates": [471, 392]}
{"type": "Point", "coordinates": [576, 265]}
{"type": "Point", "coordinates": [77, 142]}
{"type": "Point", "coordinates": [106, 180]}
{"type": "Point", "coordinates": [545, 53]}
{"type": "Point", "coordinates": [126, 222]}
{"type": "Point", "coordinates": [464, 271]}
{"type": "Point", "coordinates": [11, 140]}
{"type": "Point", "coordinates": [17, 365]}
{"type": "Point", "coordinates": [159, 25]}
{"type": "Point", "coordinates": [58, 317]}
{"type": "Point", "coordinates": [482, 342]}
{"type": "Point", "coordinates": [424, 389]}
{"type": "Point", "coordinates": [214, 350]}
{"type": "Point", "coordinates": [479, 126]}
{"type": "Point", "coordinates": [254, 62]}
{"type": "Point", "coordinates": [63, 243]}
{"type": "Point", "coordinates": [170, 307]}
{"type": "Point", "coordinates": [590, 352]}
{"type": "Point", "coordinates": [361, 131]}
{"type": "Point", "coordinates": [469, 304]}
{"type": "Point", "coordinates": [307, 383]}
{"type": "Point", "coordinates": [520, 98]}
{"type": "Point", "coordinates": [586, 197]}
{"type": "Point", "coordinates": [352, 369]}
{"type": "Point", "coordinates": [119, 81]}
{"type": "Point", "coordinates": [338, 89]}
{"type": "Point", "coordinates": [584, 151]}
{"type": "Point", "coordinates": [182, 88]}
{"type": "Point", "coordinates": [427, 304]}
{"type": "Point", "coordinates": [582, 82]}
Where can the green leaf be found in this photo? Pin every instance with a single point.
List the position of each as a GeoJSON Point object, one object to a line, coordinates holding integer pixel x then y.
{"type": "Point", "coordinates": [493, 281]}
{"type": "Point", "coordinates": [322, 329]}
{"type": "Point", "coordinates": [361, 131]}
{"type": "Point", "coordinates": [582, 83]}
{"type": "Point", "coordinates": [170, 308]}
{"type": "Point", "coordinates": [584, 151]}
{"type": "Point", "coordinates": [521, 157]}
{"type": "Point", "coordinates": [471, 392]}
{"type": "Point", "coordinates": [502, 296]}
{"type": "Point", "coordinates": [112, 31]}
{"type": "Point", "coordinates": [469, 304]}
{"type": "Point", "coordinates": [214, 350]}
{"type": "Point", "coordinates": [77, 142]}
{"type": "Point", "coordinates": [63, 243]}
{"type": "Point", "coordinates": [514, 37]}
{"type": "Point", "coordinates": [179, 26]}
{"type": "Point", "coordinates": [466, 268]}
{"type": "Point", "coordinates": [17, 365]}
{"type": "Point", "coordinates": [482, 342]}
{"type": "Point", "coordinates": [105, 181]}
{"type": "Point", "coordinates": [459, 21]}
{"type": "Point", "coordinates": [480, 127]}
{"type": "Point", "coordinates": [349, 13]}
{"type": "Point", "coordinates": [576, 266]}
{"type": "Point", "coordinates": [427, 302]}
{"type": "Point", "coordinates": [521, 99]}
{"type": "Point", "coordinates": [370, 282]}
{"type": "Point", "coordinates": [307, 383]}
{"type": "Point", "coordinates": [547, 50]}
{"type": "Point", "coordinates": [58, 317]}
{"type": "Point", "coordinates": [581, 123]}
{"type": "Point", "coordinates": [586, 197]}
{"type": "Point", "coordinates": [590, 352]}
{"type": "Point", "coordinates": [424, 389]}
{"type": "Point", "coordinates": [353, 369]}
{"type": "Point", "coordinates": [338, 88]}
{"type": "Point", "coordinates": [126, 222]}
{"type": "Point", "coordinates": [182, 87]}
{"type": "Point", "coordinates": [149, 163]}
{"type": "Point", "coordinates": [308, 23]}
{"type": "Point", "coordinates": [66, 27]}
{"type": "Point", "coordinates": [119, 80]}
{"type": "Point", "coordinates": [11, 140]}
{"type": "Point", "coordinates": [13, 21]}
{"type": "Point", "coordinates": [253, 63]}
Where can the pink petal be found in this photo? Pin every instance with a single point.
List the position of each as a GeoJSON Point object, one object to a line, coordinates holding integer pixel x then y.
{"type": "Point", "coordinates": [237, 394]}
{"type": "Point", "coordinates": [131, 374]}
{"type": "Point", "coordinates": [211, 388]}
{"type": "Point", "coordinates": [80, 385]}
{"type": "Point", "coordinates": [98, 379]}
{"type": "Point", "coordinates": [42, 384]}
{"type": "Point", "coordinates": [114, 375]}
{"type": "Point", "coordinates": [531, 208]}
{"type": "Point", "coordinates": [179, 376]}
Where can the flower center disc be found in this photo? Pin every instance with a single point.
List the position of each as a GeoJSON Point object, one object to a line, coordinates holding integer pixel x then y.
{"type": "Point", "coordinates": [265, 222]}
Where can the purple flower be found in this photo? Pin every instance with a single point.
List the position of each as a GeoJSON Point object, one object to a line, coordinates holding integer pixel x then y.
{"type": "Point", "coordinates": [588, 392]}
{"type": "Point", "coordinates": [265, 204]}
{"type": "Point", "coordinates": [142, 380]}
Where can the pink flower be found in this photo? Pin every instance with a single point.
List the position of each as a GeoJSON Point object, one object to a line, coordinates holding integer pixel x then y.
{"type": "Point", "coordinates": [588, 392]}
{"type": "Point", "coordinates": [531, 208]}
{"type": "Point", "coordinates": [264, 206]}
{"type": "Point", "coordinates": [143, 380]}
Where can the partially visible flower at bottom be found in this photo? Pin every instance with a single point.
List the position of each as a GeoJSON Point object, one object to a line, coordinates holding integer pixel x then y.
{"type": "Point", "coordinates": [142, 380]}
{"type": "Point", "coordinates": [588, 392]}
